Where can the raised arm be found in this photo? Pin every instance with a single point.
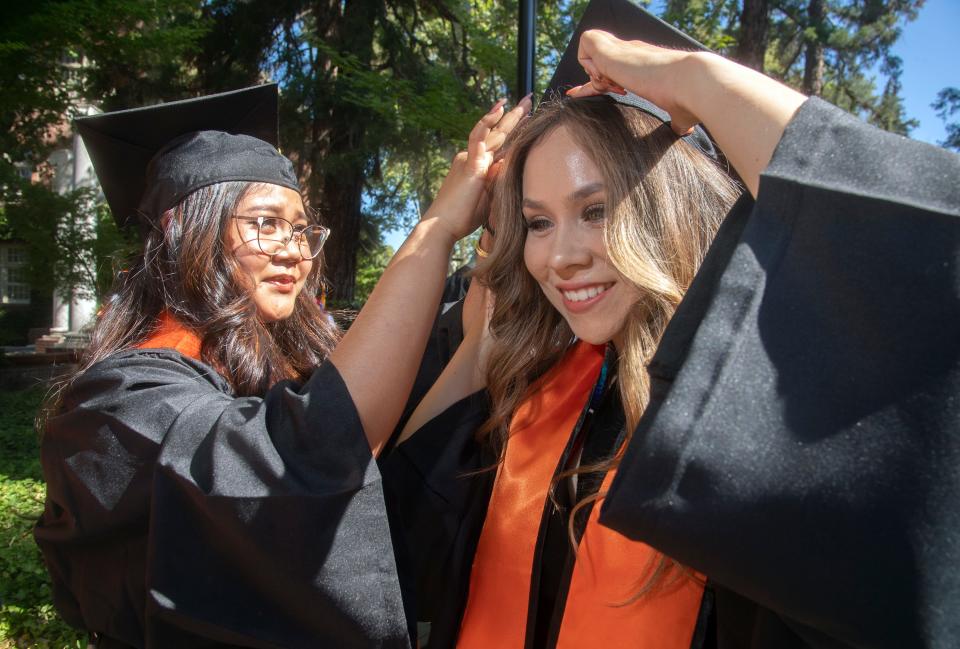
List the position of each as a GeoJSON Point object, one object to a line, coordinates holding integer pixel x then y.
{"type": "Point", "coordinates": [745, 111]}
{"type": "Point", "coordinates": [464, 374]}
{"type": "Point", "coordinates": [378, 357]}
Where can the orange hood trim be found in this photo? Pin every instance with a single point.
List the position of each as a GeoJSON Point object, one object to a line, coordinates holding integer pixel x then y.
{"type": "Point", "coordinates": [172, 334]}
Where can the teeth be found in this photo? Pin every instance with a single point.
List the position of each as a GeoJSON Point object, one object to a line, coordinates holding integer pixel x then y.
{"type": "Point", "coordinates": [585, 293]}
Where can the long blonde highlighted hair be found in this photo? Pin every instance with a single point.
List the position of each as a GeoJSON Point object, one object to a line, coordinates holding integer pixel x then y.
{"type": "Point", "coordinates": [665, 200]}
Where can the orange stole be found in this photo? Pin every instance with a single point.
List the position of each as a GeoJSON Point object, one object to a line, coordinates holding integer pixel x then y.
{"type": "Point", "coordinates": [171, 334]}
{"type": "Point", "coordinates": [609, 567]}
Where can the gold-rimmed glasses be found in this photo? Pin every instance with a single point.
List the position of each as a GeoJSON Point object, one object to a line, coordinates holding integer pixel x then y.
{"type": "Point", "coordinates": [273, 234]}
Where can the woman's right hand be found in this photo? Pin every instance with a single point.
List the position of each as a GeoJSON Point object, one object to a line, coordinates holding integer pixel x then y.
{"type": "Point", "coordinates": [455, 205]}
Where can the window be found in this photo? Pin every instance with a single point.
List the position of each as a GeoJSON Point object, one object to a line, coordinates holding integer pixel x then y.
{"type": "Point", "coordinates": [14, 281]}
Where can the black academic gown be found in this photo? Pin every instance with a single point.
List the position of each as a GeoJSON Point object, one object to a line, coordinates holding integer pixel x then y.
{"type": "Point", "coordinates": [438, 486]}
{"type": "Point", "coordinates": [178, 515]}
{"type": "Point", "coordinates": [802, 445]}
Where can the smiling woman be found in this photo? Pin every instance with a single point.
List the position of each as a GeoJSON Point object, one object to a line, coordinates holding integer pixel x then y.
{"type": "Point", "coordinates": [565, 249]}
{"type": "Point", "coordinates": [269, 219]}
{"type": "Point", "coordinates": [763, 455]}
{"type": "Point", "coordinates": [603, 216]}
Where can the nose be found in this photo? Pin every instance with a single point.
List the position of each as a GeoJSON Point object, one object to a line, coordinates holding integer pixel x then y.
{"type": "Point", "coordinates": [569, 251]}
{"type": "Point", "coordinates": [291, 250]}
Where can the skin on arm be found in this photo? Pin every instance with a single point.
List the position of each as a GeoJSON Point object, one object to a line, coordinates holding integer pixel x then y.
{"type": "Point", "coordinates": [465, 373]}
{"type": "Point", "coordinates": [745, 111]}
{"type": "Point", "coordinates": [379, 356]}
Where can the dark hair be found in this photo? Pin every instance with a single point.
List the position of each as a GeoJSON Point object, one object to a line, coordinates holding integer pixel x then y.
{"type": "Point", "coordinates": [185, 270]}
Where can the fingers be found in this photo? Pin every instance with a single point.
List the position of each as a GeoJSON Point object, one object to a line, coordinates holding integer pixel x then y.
{"type": "Point", "coordinates": [682, 122]}
{"type": "Point", "coordinates": [584, 90]}
{"type": "Point", "coordinates": [476, 145]}
{"type": "Point", "coordinates": [493, 171]}
{"type": "Point", "coordinates": [591, 52]}
{"type": "Point", "coordinates": [599, 86]}
{"type": "Point", "coordinates": [498, 134]}
{"type": "Point", "coordinates": [489, 134]}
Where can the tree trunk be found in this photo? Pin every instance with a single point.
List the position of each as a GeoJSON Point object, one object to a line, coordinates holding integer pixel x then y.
{"type": "Point", "coordinates": [813, 56]}
{"type": "Point", "coordinates": [342, 214]}
{"type": "Point", "coordinates": [754, 29]}
{"type": "Point", "coordinates": [339, 151]}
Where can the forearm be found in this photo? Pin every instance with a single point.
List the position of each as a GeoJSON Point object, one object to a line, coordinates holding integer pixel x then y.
{"type": "Point", "coordinates": [462, 376]}
{"type": "Point", "coordinates": [745, 111]}
{"type": "Point", "coordinates": [378, 357]}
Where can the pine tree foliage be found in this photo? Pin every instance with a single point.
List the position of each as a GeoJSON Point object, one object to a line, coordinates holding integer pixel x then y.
{"type": "Point", "coordinates": [838, 49]}
{"type": "Point", "coordinates": [376, 97]}
{"type": "Point", "coordinates": [947, 105]}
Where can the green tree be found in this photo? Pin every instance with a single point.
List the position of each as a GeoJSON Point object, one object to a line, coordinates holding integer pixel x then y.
{"type": "Point", "coordinates": [947, 104]}
{"type": "Point", "coordinates": [56, 58]}
{"type": "Point", "coordinates": [74, 242]}
{"type": "Point", "coordinates": [376, 98]}
{"type": "Point", "coordinates": [376, 95]}
{"type": "Point", "coordinates": [829, 48]}
{"type": "Point", "coordinates": [370, 266]}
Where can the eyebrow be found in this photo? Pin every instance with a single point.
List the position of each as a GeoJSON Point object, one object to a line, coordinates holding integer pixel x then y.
{"type": "Point", "coordinates": [277, 210]}
{"type": "Point", "coordinates": [584, 192]}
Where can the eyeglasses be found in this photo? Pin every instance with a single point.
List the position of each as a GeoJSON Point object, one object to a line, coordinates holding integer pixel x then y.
{"type": "Point", "coordinates": [273, 234]}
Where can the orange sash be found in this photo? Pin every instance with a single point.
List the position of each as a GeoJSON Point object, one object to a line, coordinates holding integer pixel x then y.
{"type": "Point", "coordinates": [609, 568]}
{"type": "Point", "coordinates": [171, 334]}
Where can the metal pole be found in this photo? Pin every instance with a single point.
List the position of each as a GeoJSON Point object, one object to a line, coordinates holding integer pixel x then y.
{"type": "Point", "coordinates": [526, 40]}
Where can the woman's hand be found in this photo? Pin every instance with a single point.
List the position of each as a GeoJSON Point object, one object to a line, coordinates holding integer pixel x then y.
{"type": "Point", "coordinates": [744, 111]}
{"type": "Point", "coordinates": [652, 72]}
{"type": "Point", "coordinates": [456, 203]}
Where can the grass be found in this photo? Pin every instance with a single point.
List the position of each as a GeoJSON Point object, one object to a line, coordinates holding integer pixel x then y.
{"type": "Point", "coordinates": [27, 616]}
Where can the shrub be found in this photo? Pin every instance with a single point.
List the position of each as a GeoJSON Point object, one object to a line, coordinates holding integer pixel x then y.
{"type": "Point", "coordinates": [27, 616]}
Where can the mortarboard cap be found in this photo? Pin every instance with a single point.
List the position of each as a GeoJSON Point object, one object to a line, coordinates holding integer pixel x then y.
{"type": "Point", "coordinates": [149, 159]}
{"type": "Point", "coordinates": [626, 21]}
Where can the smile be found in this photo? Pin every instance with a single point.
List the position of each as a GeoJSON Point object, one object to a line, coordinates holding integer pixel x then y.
{"type": "Point", "coordinates": [583, 294]}
{"type": "Point", "coordinates": [582, 299]}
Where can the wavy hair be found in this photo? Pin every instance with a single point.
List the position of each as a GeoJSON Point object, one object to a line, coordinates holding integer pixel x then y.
{"type": "Point", "coordinates": [186, 270]}
{"type": "Point", "coordinates": [664, 202]}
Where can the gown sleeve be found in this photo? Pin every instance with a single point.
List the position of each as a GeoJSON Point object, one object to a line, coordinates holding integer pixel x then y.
{"type": "Point", "coordinates": [802, 447]}
{"type": "Point", "coordinates": [438, 485]}
{"type": "Point", "coordinates": [180, 516]}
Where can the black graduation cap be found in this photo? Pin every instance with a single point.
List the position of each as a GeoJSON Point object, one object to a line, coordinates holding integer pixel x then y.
{"type": "Point", "coordinates": [149, 159]}
{"type": "Point", "coordinates": [626, 21]}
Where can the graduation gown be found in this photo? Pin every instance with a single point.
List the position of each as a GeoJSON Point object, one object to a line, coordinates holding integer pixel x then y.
{"type": "Point", "coordinates": [802, 445]}
{"type": "Point", "coordinates": [492, 567]}
{"type": "Point", "coordinates": [179, 515]}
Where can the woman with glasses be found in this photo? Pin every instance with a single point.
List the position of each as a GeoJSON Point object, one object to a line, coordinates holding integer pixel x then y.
{"type": "Point", "coordinates": [210, 467]}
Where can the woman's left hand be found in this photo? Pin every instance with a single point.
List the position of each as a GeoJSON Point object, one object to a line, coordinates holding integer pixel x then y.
{"type": "Point", "coordinates": [745, 111]}
{"type": "Point", "coordinates": [456, 203]}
